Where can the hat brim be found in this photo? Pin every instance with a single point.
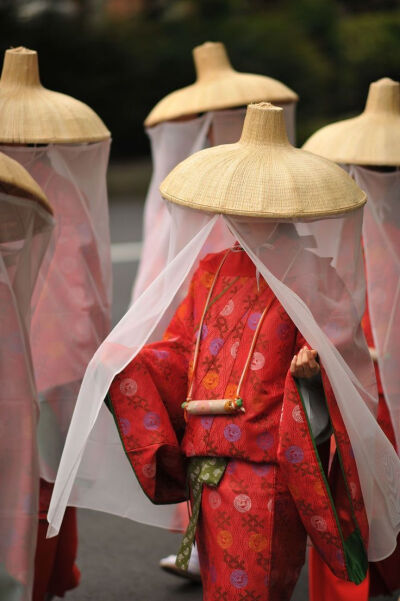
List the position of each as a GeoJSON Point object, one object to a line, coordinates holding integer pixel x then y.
{"type": "Point", "coordinates": [230, 90]}
{"type": "Point", "coordinates": [266, 181]}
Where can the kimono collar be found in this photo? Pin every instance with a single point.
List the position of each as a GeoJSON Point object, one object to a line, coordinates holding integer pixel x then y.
{"type": "Point", "coordinates": [238, 263]}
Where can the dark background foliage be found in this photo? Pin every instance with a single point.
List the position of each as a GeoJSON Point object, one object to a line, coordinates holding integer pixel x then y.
{"type": "Point", "coordinates": [121, 64]}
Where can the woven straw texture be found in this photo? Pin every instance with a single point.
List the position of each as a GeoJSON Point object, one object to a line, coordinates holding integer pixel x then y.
{"type": "Point", "coordinates": [262, 175]}
{"type": "Point", "coordinates": [31, 114]}
{"type": "Point", "coordinates": [218, 86]}
{"type": "Point", "coordinates": [16, 181]}
{"type": "Point", "coordinates": [372, 138]}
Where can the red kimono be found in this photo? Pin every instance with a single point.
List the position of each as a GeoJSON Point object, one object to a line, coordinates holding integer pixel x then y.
{"type": "Point", "coordinates": [252, 528]}
{"type": "Point", "coordinates": [55, 568]}
{"type": "Point", "coordinates": [383, 577]}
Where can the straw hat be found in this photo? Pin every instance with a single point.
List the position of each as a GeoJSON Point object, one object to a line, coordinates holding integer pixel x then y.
{"type": "Point", "coordinates": [31, 114]}
{"type": "Point", "coordinates": [16, 181]}
{"type": "Point", "coordinates": [262, 175]}
{"type": "Point", "coordinates": [372, 138]}
{"type": "Point", "coordinates": [218, 86]}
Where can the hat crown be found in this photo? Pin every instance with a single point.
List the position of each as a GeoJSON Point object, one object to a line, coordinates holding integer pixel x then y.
{"type": "Point", "coordinates": [211, 60]}
{"type": "Point", "coordinates": [20, 68]}
{"type": "Point", "coordinates": [383, 97]}
{"type": "Point", "coordinates": [264, 125]}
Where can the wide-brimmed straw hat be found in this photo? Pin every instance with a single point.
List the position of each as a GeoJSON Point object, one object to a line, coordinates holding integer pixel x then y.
{"type": "Point", "coordinates": [262, 175]}
{"type": "Point", "coordinates": [16, 181]}
{"type": "Point", "coordinates": [218, 86]}
{"type": "Point", "coordinates": [31, 114]}
{"type": "Point", "coordinates": [372, 138]}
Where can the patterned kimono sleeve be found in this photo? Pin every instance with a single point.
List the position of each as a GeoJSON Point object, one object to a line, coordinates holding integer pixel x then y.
{"type": "Point", "coordinates": [145, 400]}
{"type": "Point", "coordinates": [329, 501]}
{"type": "Point", "coordinates": [313, 396]}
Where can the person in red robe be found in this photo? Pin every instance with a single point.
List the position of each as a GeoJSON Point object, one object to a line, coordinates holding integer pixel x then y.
{"type": "Point", "coordinates": [231, 339]}
{"type": "Point", "coordinates": [220, 400]}
{"type": "Point", "coordinates": [370, 151]}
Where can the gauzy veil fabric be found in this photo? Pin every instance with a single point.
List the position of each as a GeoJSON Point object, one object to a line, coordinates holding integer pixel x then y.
{"type": "Point", "coordinates": [25, 231]}
{"type": "Point", "coordinates": [381, 234]}
{"type": "Point", "coordinates": [322, 299]}
{"type": "Point", "coordinates": [71, 312]}
{"type": "Point", "coordinates": [171, 143]}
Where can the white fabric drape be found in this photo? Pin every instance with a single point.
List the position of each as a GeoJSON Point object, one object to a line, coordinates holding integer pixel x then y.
{"type": "Point", "coordinates": [171, 143]}
{"type": "Point", "coordinates": [381, 234]}
{"type": "Point", "coordinates": [71, 314]}
{"type": "Point", "coordinates": [324, 303]}
{"type": "Point", "coordinates": [25, 231]}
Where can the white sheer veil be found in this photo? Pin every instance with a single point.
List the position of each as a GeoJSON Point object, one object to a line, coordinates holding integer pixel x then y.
{"type": "Point", "coordinates": [326, 304]}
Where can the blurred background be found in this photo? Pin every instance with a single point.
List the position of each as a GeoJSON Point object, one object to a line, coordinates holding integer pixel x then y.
{"type": "Point", "coordinates": [122, 56]}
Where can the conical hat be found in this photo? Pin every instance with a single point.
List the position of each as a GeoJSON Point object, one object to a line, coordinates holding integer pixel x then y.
{"type": "Point", "coordinates": [16, 181]}
{"type": "Point", "coordinates": [262, 175]}
{"type": "Point", "coordinates": [31, 114]}
{"type": "Point", "coordinates": [372, 138]}
{"type": "Point", "coordinates": [218, 86]}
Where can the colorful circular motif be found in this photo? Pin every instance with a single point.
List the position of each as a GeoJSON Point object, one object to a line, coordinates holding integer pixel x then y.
{"type": "Point", "coordinates": [204, 331]}
{"type": "Point", "coordinates": [258, 542]}
{"type": "Point", "coordinates": [207, 279]}
{"type": "Point", "coordinates": [125, 425]}
{"type": "Point", "coordinates": [206, 422]}
{"type": "Point", "coordinates": [239, 578]}
{"type": "Point", "coordinates": [294, 454]}
{"type": "Point", "coordinates": [128, 387]}
{"type": "Point", "coordinates": [228, 309]}
{"type": "Point", "coordinates": [151, 420]}
{"type": "Point", "coordinates": [216, 345]}
{"type": "Point", "coordinates": [160, 354]}
{"type": "Point", "coordinates": [214, 499]}
{"type": "Point", "coordinates": [318, 523]}
{"type": "Point", "coordinates": [232, 432]}
{"type": "Point", "coordinates": [261, 469]}
{"type": "Point", "coordinates": [297, 415]}
{"type": "Point", "coordinates": [231, 467]}
{"type": "Point", "coordinates": [230, 391]}
{"type": "Point", "coordinates": [234, 349]}
{"type": "Point", "coordinates": [319, 488]}
{"type": "Point", "coordinates": [257, 361]}
{"type": "Point", "coordinates": [224, 539]}
{"type": "Point", "coordinates": [265, 441]}
{"type": "Point", "coordinates": [149, 470]}
{"type": "Point", "coordinates": [253, 320]}
{"type": "Point", "coordinates": [211, 380]}
{"type": "Point", "coordinates": [283, 331]}
{"type": "Point", "coordinates": [242, 503]}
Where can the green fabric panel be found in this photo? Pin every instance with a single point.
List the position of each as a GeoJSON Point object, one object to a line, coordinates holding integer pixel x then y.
{"type": "Point", "coordinates": [201, 470]}
{"type": "Point", "coordinates": [356, 557]}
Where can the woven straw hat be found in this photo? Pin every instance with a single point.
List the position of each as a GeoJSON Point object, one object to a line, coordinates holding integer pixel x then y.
{"type": "Point", "coordinates": [31, 114]}
{"type": "Point", "coordinates": [262, 175]}
{"type": "Point", "coordinates": [372, 138]}
{"type": "Point", "coordinates": [218, 86]}
{"type": "Point", "coordinates": [16, 181]}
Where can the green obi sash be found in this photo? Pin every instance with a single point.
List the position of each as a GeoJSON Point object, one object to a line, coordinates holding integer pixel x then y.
{"type": "Point", "coordinates": [201, 470]}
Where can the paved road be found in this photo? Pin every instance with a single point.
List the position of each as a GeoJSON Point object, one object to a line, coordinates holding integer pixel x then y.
{"type": "Point", "coordinates": [119, 558]}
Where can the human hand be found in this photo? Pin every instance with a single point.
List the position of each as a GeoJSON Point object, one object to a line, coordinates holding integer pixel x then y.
{"type": "Point", "coordinates": [304, 364]}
